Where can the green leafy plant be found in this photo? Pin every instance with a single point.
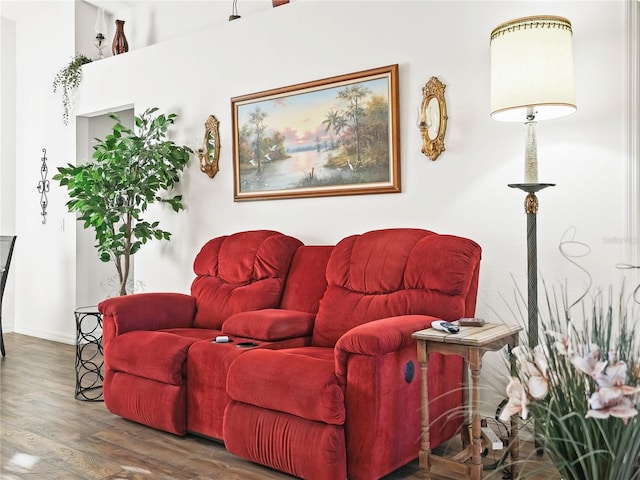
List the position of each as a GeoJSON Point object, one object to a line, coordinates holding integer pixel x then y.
{"type": "Point", "coordinates": [112, 192]}
{"type": "Point", "coordinates": [68, 79]}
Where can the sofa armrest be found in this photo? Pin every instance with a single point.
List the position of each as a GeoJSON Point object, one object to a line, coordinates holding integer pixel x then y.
{"type": "Point", "coordinates": [269, 324]}
{"type": "Point", "coordinates": [147, 311]}
{"type": "Point", "coordinates": [378, 338]}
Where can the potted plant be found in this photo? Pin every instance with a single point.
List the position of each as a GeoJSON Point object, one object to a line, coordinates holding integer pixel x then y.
{"type": "Point", "coordinates": [581, 386]}
{"type": "Point", "coordinates": [128, 172]}
{"type": "Point", "coordinates": [68, 79]}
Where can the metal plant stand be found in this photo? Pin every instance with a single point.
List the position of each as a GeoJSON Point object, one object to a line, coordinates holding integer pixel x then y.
{"type": "Point", "coordinates": [89, 357]}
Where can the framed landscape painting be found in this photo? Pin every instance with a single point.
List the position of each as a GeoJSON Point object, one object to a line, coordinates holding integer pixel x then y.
{"type": "Point", "coordinates": [336, 136]}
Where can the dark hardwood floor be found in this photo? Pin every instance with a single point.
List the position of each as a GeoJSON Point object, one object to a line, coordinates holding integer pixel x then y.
{"type": "Point", "coordinates": [45, 433]}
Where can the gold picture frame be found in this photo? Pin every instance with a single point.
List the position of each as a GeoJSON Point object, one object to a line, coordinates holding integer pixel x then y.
{"type": "Point", "coordinates": [433, 118]}
{"type": "Point", "coordinates": [335, 136]}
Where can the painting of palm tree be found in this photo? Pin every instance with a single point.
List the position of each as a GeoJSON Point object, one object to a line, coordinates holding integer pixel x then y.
{"type": "Point", "coordinates": [335, 136]}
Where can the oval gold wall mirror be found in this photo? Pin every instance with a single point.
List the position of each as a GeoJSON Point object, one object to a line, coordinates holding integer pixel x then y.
{"type": "Point", "coordinates": [433, 118]}
{"type": "Point", "coordinates": [209, 154]}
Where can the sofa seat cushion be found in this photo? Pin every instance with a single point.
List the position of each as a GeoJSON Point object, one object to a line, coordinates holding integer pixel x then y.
{"type": "Point", "coordinates": [299, 447]}
{"type": "Point", "coordinates": [270, 324]}
{"type": "Point", "coordinates": [158, 356]}
{"type": "Point", "coordinates": [301, 382]}
{"type": "Point", "coordinates": [196, 333]}
{"type": "Point", "coordinates": [207, 367]}
{"type": "Point", "coordinates": [151, 403]}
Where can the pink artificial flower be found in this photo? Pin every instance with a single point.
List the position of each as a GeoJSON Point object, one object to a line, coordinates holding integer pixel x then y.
{"type": "Point", "coordinates": [518, 401]}
{"type": "Point", "coordinates": [534, 369]}
{"type": "Point", "coordinates": [611, 398]}
{"type": "Point", "coordinates": [561, 343]}
{"type": "Point", "coordinates": [589, 364]}
{"type": "Point", "coordinates": [614, 375]}
{"type": "Point", "coordinates": [606, 402]}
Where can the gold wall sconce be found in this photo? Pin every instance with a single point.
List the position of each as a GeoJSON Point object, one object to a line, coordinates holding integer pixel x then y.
{"type": "Point", "coordinates": [209, 154]}
{"type": "Point", "coordinates": [433, 118]}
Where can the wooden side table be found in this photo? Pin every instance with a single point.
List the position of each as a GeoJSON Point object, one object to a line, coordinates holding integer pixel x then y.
{"type": "Point", "coordinates": [471, 343]}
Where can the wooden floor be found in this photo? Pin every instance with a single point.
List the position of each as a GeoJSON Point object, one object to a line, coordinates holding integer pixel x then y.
{"type": "Point", "coordinates": [45, 433]}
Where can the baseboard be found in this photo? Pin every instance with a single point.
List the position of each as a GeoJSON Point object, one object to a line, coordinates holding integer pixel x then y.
{"type": "Point", "coordinates": [54, 337]}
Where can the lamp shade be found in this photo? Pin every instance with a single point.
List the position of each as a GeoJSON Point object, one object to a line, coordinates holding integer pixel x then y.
{"type": "Point", "coordinates": [532, 69]}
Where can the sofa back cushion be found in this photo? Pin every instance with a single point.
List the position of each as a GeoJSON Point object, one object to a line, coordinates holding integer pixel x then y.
{"type": "Point", "coordinates": [240, 272]}
{"type": "Point", "coordinates": [307, 279]}
{"type": "Point", "coordinates": [392, 272]}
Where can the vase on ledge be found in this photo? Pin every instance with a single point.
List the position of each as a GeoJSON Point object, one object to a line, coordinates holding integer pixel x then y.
{"type": "Point", "coordinates": [120, 44]}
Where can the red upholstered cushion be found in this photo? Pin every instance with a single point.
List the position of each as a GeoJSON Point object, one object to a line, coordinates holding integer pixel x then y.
{"type": "Point", "coordinates": [196, 333]}
{"type": "Point", "coordinates": [298, 381]}
{"type": "Point", "coordinates": [207, 397]}
{"type": "Point", "coordinates": [158, 405]}
{"type": "Point", "coordinates": [158, 356]}
{"type": "Point", "coordinates": [307, 279]}
{"type": "Point", "coordinates": [269, 325]}
{"type": "Point", "coordinates": [394, 272]}
{"type": "Point", "coordinates": [240, 272]}
{"type": "Point", "coordinates": [300, 447]}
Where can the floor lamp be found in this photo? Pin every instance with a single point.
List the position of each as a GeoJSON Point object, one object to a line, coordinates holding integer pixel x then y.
{"type": "Point", "coordinates": [532, 80]}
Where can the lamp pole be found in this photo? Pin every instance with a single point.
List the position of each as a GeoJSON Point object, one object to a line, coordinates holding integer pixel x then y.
{"type": "Point", "coordinates": [531, 209]}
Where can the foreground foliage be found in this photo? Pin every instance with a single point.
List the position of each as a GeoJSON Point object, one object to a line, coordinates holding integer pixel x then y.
{"type": "Point", "coordinates": [581, 385]}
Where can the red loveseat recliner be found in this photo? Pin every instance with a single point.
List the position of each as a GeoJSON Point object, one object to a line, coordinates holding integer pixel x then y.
{"type": "Point", "coordinates": [348, 405]}
{"type": "Point", "coordinates": [147, 337]}
{"type": "Point", "coordinates": [331, 388]}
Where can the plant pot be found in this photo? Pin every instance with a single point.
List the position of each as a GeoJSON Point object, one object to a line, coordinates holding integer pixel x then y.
{"type": "Point", "coordinates": [277, 3]}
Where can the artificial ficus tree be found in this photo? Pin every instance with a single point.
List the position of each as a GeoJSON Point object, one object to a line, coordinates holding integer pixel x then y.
{"type": "Point", "coordinates": [129, 171]}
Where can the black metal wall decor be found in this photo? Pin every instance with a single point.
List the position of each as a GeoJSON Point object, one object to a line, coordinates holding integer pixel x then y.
{"type": "Point", "coordinates": [43, 186]}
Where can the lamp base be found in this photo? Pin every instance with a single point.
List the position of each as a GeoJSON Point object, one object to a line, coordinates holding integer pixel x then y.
{"type": "Point", "coordinates": [531, 187]}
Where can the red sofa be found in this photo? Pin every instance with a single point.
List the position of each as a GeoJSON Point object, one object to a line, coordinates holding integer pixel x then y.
{"type": "Point", "coordinates": [331, 389]}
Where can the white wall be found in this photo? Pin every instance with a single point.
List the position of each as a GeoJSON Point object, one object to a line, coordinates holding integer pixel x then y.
{"type": "Point", "coordinates": [8, 153]}
{"type": "Point", "coordinates": [44, 256]}
{"type": "Point", "coordinates": [464, 192]}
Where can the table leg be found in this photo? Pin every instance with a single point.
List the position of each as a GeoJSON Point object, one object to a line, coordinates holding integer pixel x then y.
{"type": "Point", "coordinates": [475, 364]}
{"type": "Point", "coordinates": [514, 448]}
{"type": "Point", "coordinates": [425, 451]}
{"type": "Point", "coordinates": [466, 430]}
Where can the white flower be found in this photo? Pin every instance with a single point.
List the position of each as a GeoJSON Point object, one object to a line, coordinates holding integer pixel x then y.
{"type": "Point", "coordinates": [518, 401]}
{"type": "Point", "coordinates": [534, 370]}
{"type": "Point", "coordinates": [561, 342]}
{"type": "Point", "coordinates": [589, 364]}
{"type": "Point", "coordinates": [611, 402]}
{"type": "Point", "coordinates": [611, 398]}
{"type": "Point", "coordinates": [614, 375]}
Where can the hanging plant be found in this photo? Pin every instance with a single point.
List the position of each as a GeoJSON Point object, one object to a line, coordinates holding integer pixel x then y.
{"type": "Point", "coordinates": [68, 79]}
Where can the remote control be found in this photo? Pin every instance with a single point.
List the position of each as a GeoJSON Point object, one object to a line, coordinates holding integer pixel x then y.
{"type": "Point", "coordinates": [445, 326]}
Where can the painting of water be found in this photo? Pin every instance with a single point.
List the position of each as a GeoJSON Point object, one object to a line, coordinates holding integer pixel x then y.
{"type": "Point", "coordinates": [336, 136]}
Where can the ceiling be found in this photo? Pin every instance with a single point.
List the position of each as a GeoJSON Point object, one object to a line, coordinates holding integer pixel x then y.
{"type": "Point", "coordinates": [17, 9]}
